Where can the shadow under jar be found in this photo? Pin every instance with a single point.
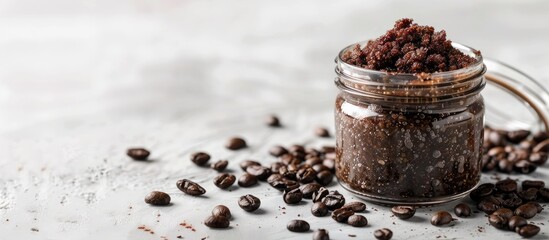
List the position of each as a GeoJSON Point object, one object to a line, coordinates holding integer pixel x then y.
{"type": "Point", "coordinates": [411, 139]}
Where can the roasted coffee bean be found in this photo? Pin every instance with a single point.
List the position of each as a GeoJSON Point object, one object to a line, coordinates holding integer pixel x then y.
{"type": "Point", "coordinates": [285, 185]}
{"type": "Point", "coordinates": [287, 173]}
{"type": "Point", "coordinates": [526, 211]}
{"type": "Point", "coordinates": [497, 221]}
{"type": "Point", "coordinates": [541, 136]}
{"type": "Point", "coordinates": [383, 234]}
{"type": "Point", "coordinates": [538, 158]}
{"type": "Point", "coordinates": [516, 222]}
{"type": "Point", "coordinates": [319, 209]}
{"type": "Point", "coordinates": [138, 153]}
{"type": "Point", "coordinates": [497, 152]}
{"type": "Point", "coordinates": [297, 148]}
{"type": "Point", "coordinates": [320, 194]}
{"type": "Point", "coordinates": [157, 198]}
{"type": "Point", "coordinates": [441, 218]}
{"type": "Point", "coordinates": [200, 158]}
{"type": "Point", "coordinates": [293, 196]}
{"type": "Point", "coordinates": [526, 184]}
{"type": "Point", "coordinates": [482, 191]}
{"type": "Point", "coordinates": [275, 167]}
{"type": "Point", "coordinates": [190, 187]}
{"type": "Point", "coordinates": [278, 151]}
{"type": "Point", "coordinates": [462, 210]}
{"type": "Point", "coordinates": [357, 221]}
{"type": "Point", "coordinates": [321, 234]}
{"type": "Point", "coordinates": [320, 167]}
{"type": "Point", "coordinates": [219, 165]}
{"type": "Point", "coordinates": [249, 202]}
{"type": "Point", "coordinates": [298, 226]}
{"type": "Point", "coordinates": [528, 230]}
{"type": "Point", "coordinates": [329, 163]}
{"type": "Point", "coordinates": [217, 221]}
{"type": "Point", "coordinates": [306, 175]}
{"type": "Point", "coordinates": [221, 210]}
{"type": "Point", "coordinates": [512, 202]}
{"type": "Point", "coordinates": [311, 161]}
{"type": "Point", "coordinates": [528, 195]}
{"type": "Point", "coordinates": [272, 121]}
{"type": "Point", "coordinates": [322, 132]}
{"type": "Point", "coordinates": [518, 154]}
{"type": "Point", "coordinates": [506, 185]}
{"type": "Point", "coordinates": [247, 180]}
{"type": "Point", "coordinates": [342, 214]}
{"type": "Point", "coordinates": [403, 212]}
{"type": "Point", "coordinates": [527, 144]}
{"type": "Point", "coordinates": [355, 206]}
{"type": "Point", "coordinates": [543, 194]}
{"type": "Point", "coordinates": [487, 206]}
{"type": "Point", "coordinates": [325, 177]}
{"type": "Point", "coordinates": [334, 201]}
{"type": "Point", "coordinates": [235, 143]}
{"type": "Point", "coordinates": [495, 138]}
{"type": "Point", "coordinates": [539, 208]}
{"type": "Point", "coordinates": [542, 146]}
{"type": "Point", "coordinates": [246, 163]}
{"type": "Point", "coordinates": [262, 173]}
{"type": "Point", "coordinates": [517, 136]}
{"type": "Point", "coordinates": [224, 180]}
{"type": "Point", "coordinates": [505, 213]}
{"type": "Point", "coordinates": [524, 166]}
{"type": "Point", "coordinates": [488, 163]}
{"type": "Point", "coordinates": [505, 166]}
{"type": "Point", "coordinates": [274, 177]}
{"type": "Point", "coordinates": [328, 149]}
{"type": "Point", "coordinates": [308, 189]}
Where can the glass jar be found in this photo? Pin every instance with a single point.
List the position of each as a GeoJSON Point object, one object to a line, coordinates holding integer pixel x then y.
{"type": "Point", "coordinates": [411, 139]}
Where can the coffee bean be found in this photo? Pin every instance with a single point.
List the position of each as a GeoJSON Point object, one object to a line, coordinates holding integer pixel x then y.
{"type": "Point", "coordinates": [157, 198]}
{"type": "Point", "coordinates": [320, 194]}
{"type": "Point", "coordinates": [262, 173]}
{"type": "Point", "coordinates": [383, 234]}
{"type": "Point", "coordinates": [497, 221]}
{"type": "Point", "coordinates": [512, 202]}
{"type": "Point", "coordinates": [200, 158]}
{"type": "Point", "coordinates": [275, 167]}
{"type": "Point", "coordinates": [320, 168]}
{"type": "Point", "coordinates": [285, 185]}
{"type": "Point", "coordinates": [516, 222]}
{"type": "Point", "coordinates": [403, 212]}
{"type": "Point", "coordinates": [487, 206]}
{"type": "Point", "coordinates": [538, 158]}
{"type": "Point", "coordinates": [274, 177]}
{"type": "Point", "coordinates": [527, 144]}
{"type": "Point", "coordinates": [334, 201]}
{"type": "Point", "coordinates": [293, 196]}
{"type": "Point", "coordinates": [542, 146]}
{"type": "Point", "coordinates": [526, 184]}
{"type": "Point", "coordinates": [462, 210]}
{"type": "Point", "coordinates": [528, 230]}
{"type": "Point", "coordinates": [321, 234]}
{"type": "Point", "coordinates": [221, 210]}
{"type": "Point", "coordinates": [518, 154]}
{"type": "Point", "coordinates": [322, 132]}
{"type": "Point", "coordinates": [543, 194]}
{"type": "Point", "coordinates": [497, 152]}
{"type": "Point", "coordinates": [524, 167]}
{"type": "Point", "coordinates": [325, 177]}
{"type": "Point", "coordinates": [217, 221]}
{"type": "Point", "coordinates": [538, 206]}
{"type": "Point", "coordinates": [342, 214]}
{"type": "Point", "coordinates": [505, 166]}
{"type": "Point", "coordinates": [306, 175]}
{"type": "Point", "coordinates": [246, 163]}
{"type": "Point", "coordinates": [224, 180]}
{"type": "Point", "coordinates": [278, 151]}
{"type": "Point", "coordinates": [441, 218]}
{"type": "Point", "coordinates": [517, 136]}
{"type": "Point", "coordinates": [287, 173]}
{"type": "Point", "coordinates": [541, 136]}
{"type": "Point", "coordinates": [329, 163]}
{"type": "Point", "coordinates": [308, 189]}
{"type": "Point", "coordinates": [505, 213]}
{"type": "Point", "coordinates": [190, 187]}
{"type": "Point", "coordinates": [526, 211]}
{"type": "Point", "coordinates": [272, 121]}
{"type": "Point", "coordinates": [319, 209]}
{"type": "Point", "coordinates": [297, 148]}
{"type": "Point", "coordinates": [482, 191]}
{"type": "Point", "coordinates": [495, 138]}
{"type": "Point", "coordinates": [138, 153]}
{"type": "Point", "coordinates": [357, 221]}
{"type": "Point", "coordinates": [219, 165]}
{"type": "Point", "coordinates": [488, 163]}
{"type": "Point", "coordinates": [235, 143]}
{"type": "Point", "coordinates": [506, 185]}
{"type": "Point", "coordinates": [298, 226]}
{"type": "Point", "coordinates": [247, 180]}
{"type": "Point", "coordinates": [249, 203]}
{"type": "Point", "coordinates": [528, 195]}
{"type": "Point", "coordinates": [311, 161]}
{"type": "Point", "coordinates": [355, 206]}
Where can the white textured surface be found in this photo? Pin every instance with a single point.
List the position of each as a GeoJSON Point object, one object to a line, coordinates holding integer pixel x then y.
{"type": "Point", "coordinates": [80, 81]}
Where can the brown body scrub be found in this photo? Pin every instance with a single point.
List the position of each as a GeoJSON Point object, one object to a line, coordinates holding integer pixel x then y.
{"type": "Point", "coordinates": [410, 131]}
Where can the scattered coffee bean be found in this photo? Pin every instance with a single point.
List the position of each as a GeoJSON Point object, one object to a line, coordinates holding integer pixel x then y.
{"type": "Point", "coordinates": [526, 184]}
{"type": "Point", "coordinates": [517, 136]}
{"type": "Point", "coordinates": [138, 153]}
{"type": "Point", "coordinates": [524, 167]}
{"type": "Point", "coordinates": [275, 167]}
{"type": "Point", "coordinates": [528, 195]}
{"type": "Point", "coordinates": [221, 210]}
{"type": "Point", "coordinates": [274, 177]}
{"type": "Point", "coordinates": [321, 234]}
{"type": "Point", "coordinates": [306, 175]}
{"type": "Point", "coordinates": [312, 161]}
{"type": "Point", "coordinates": [543, 194]}
{"type": "Point", "coordinates": [497, 221]}
{"type": "Point", "coordinates": [342, 214]}
{"type": "Point", "coordinates": [247, 180]}
{"type": "Point", "coordinates": [462, 210]}
{"type": "Point", "coordinates": [308, 189]}
{"type": "Point", "coordinates": [528, 230]}
{"type": "Point", "coordinates": [526, 211]}
{"type": "Point", "coordinates": [219, 165]}
{"type": "Point", "coordinates": [511, 202]}
{"type": "Point", "coordinates": [190, 187]}
{"type": "Point", "coordinates": [357, 221]}
{"type": "Point", "coordinates": [539, 208]}
{"type": "Point", "coordinates": [383, 234]}
{"type": "Point", "coordinates": [506, 185]}
{"type": "Point", "coordinates": [224, 180]}
{"type": "Point", "coordinates": [278, 151]}
{"type": "Point", "coordinates": [334, 201]}
{"type": "Point", "coordinates": [487, 206]}
{"type": "Point", "coordinates": [297, 148]}
{"type": "Point", "coordinates": [246, 163]}
{"type": "Point", "coordinates": [322, 132]}
{"type": "Point", "coordinates": [262, 173]}
{"type": "Point", "coordinates": [157, 198]}
{"type": "Point", "coordinates": [320, 194]}
{"type": "Point", "coordinates": [293, 196]}
{"type": "Point", "coordinates": [235, 143]}
{"type": "Point", "coordinates": [217, 221]}
{"type": "Point", "coordinates": [495, 138]}
{"type": "Point", "coordinates": [505, 166]}
{"type": "Point", "coordinates": [298, 226]}
{"type": "Point", "coordinates": [482, 191]}
{"type": "Point", "coordinates": [325, 177]}
{"type": "Point", "coordinates": [249, 203]}
{"type": "Point", "coordinates": [538, 158]}
{"type": "Point", "coordinates": [441, 218]}
{"type": "Point", "coordinates": [272, 121]}
{"type": "Point", "coordinates": [541, 136]}
{"type": "Point", "coordinates": [403, 212]}
{"type": "Point", "coordinates": [505, 213]}
{"type": "Point", "coordinates": [355, 206]}
{"type": "Point", "coordinates": [285, 185]}
{"type": "Point", "coordinates": [516, 222]}
{"type": "Point", "coordinates": [200, 158]}
{"type": "Point", "coordinates": [319, 209]}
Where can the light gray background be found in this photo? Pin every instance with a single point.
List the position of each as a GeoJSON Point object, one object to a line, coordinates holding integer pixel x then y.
{"type": "Point", "coordinates": [80, 81]}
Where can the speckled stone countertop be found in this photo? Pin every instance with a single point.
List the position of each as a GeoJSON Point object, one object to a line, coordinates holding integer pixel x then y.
{"type": "Point", "coordinates": [81, 81]}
